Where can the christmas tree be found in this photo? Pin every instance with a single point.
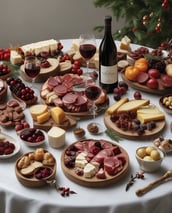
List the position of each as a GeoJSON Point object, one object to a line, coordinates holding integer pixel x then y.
{"type": "Point", "coordinates": [147, 22]}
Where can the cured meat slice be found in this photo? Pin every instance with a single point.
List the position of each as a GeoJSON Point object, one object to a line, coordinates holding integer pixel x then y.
{"type": "Point", "coordinates": [59, 79]}
{"type": "Point", "coordinates": [60, 90]}
{"type": "Point", "coordinates": [70, 98]}
{"type": "Point", "coordinates": [101, 174]}
{"type": "Point", "coordinates": [52, 82]}
{"type": "Point", "coordinates": [112, 165]}
{"type": "Point", "coordinates": [58, 102]}
{"type": "Point", "coordinates": [80, 100]}
{"type": "Point", "coordinates": [142, 77]}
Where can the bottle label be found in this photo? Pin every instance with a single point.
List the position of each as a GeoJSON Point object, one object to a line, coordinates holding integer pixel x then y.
{"type": "Point", "coordinates": [109, 74]}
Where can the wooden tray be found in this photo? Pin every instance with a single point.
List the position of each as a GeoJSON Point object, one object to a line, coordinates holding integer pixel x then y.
{"type": "Point", "coordinates": [44, 72]}
{"type": "Point", "coordinates": [67, 124]}
{"type": "Point", "coordinates": [31, 181]}
{"type": "Point", "coordinates": [94, 181]}
{"type": "Point", "coordinates": [133, 135]}
{"type": "Point", "coordinates": [144, 88]}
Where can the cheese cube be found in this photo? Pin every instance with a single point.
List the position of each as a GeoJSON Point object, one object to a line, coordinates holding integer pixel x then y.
{"type": "Point", "coordinates": [43, 117]}
{"type": "Point", "coordinates": [15, 58]}
{"type": "Point", "coordinates": [89, 170]}
{"type": "Point", "coordinates": [56, 137]}
{"type": "Point", "coordinates": [57, 114]}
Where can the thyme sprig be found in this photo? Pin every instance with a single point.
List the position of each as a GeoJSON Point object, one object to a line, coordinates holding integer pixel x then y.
{"type": "Point", "coordinates": [112, 135]}
{"type": "Point", "coordinates": [138, 175]}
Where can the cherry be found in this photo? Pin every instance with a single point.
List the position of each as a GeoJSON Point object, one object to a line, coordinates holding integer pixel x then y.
{"type": "Point", "coordinates": [137, 95]}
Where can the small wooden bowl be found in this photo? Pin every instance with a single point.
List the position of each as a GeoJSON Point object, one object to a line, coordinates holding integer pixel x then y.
{"type": "Point", "coordinates": [32, 181]}
{"type": "Point", "coordinates": [163, 106]}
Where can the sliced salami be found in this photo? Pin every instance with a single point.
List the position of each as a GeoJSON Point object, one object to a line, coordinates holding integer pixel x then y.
{"type": "Point", "coordinates": [70, 98]}
{"type": "Point", "coordinates": [60, 90]}
{"type": "Point", "coordinates": [142, 77]}
{"type": "Point", "coordinates": [52, 82]}
{"type": "Point", "coordinates": [80, 100]}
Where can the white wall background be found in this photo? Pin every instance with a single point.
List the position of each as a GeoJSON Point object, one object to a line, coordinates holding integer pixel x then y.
{"type": "Point", "coordinates": [25, 21]}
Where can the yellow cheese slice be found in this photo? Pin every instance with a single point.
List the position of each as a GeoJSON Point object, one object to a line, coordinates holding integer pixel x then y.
{"type": "Point", "coordinates": [132, 105]}
{"type": "Point", "coordinates": [37, 110]}
{"type": "Point", "coordinates": [144, 118]}
{"type": "Point", "coordinates": [43, 117]}
{"type": "Point", "coordinates": [112, 109]}
{"type": "Point", "coordinates": [150, 109]}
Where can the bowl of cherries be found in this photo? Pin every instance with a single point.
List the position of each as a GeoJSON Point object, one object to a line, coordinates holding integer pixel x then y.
{"type": "Point", "coordinates": [32, 136]}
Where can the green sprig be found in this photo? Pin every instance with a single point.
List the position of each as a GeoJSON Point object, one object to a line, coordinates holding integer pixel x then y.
{"type": "Point", "coordinates": [112, 135]}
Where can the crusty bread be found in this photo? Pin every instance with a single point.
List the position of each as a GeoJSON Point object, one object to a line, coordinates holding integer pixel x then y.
{"type": "Point", "coordinates": [132, 105]}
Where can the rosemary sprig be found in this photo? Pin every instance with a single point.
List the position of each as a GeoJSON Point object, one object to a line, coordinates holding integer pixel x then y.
{"type": "Point", "coordinates": [112, 135]}
{"type": "Point", "coordinates": [138, 175]}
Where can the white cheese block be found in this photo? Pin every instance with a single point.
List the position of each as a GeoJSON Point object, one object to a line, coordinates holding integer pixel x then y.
{"type": "Point", "coordinates": [80, 160]}
{"type": "Point", "coordinates": [15, 58]}
{"type": "Point", "coordinates": [89, 170]}
{"type": "Point", "coordinates": [56, 137]}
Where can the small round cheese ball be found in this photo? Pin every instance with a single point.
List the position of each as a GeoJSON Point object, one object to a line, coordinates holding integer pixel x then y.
{"type": "Point", "coordinates": [148, 158]}
{"type": "Point", "coordinates": [155, 155]}
{"type": "Point", "coordinates": [149, 149]}
{"type": "Point", "coordinates": [141, 152]}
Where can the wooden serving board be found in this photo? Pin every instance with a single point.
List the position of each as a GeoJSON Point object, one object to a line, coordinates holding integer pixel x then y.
{"type": "Point", "coordinates": [94, 181]}
{"type": "Point", "coordinates": [67, 124]}
{"type": "Point", "coordinates": [45, 73]}
{"type": "Point", "coordinates": [31, 181]}
{"type": "Point", "coordinates": [133, 135]}
{"type": "Point", "coordinates": [160, 91]}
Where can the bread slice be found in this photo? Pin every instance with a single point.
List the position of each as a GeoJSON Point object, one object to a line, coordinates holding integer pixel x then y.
{"type": "Point", "coordinates": [112, 109]}
{"type": "Point", "coordinates": [132, 105]}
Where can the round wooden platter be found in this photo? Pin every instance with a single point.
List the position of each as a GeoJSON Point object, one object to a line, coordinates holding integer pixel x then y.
{"type": "Point", "coordinates": [31, 181]}
{"type": "Point", "coordinates": [133, 135]}
{"type": "Point", "coordinates": [94, 181]}
{"type": "Point", "coordinates": [68, 123]}
{"type": "Point", "coordinates": [141, 87]}
{"type": "Point", "coordinates": [44, 72]}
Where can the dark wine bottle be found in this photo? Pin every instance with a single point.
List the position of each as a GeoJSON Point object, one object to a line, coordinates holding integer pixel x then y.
{"type": "Point", "coordinates": [108, 73]}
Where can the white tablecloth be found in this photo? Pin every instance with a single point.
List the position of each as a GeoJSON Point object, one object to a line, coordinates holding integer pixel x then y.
{"type": "Point", "coordinates": [14, 197]}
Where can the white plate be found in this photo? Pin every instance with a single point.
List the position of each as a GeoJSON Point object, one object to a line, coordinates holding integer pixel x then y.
{"type": "Point", "coordinates": [11, 140]}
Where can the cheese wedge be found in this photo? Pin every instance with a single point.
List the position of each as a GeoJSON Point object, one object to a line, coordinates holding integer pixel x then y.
{"type": "Point", "coordinates": [144, 118]}
{"type": "Point", "coordinates": [56, 137]}
{"type": "Point", "coordinates": [43, 117]}
{"type": "Point", "coordinates": [80, 160]}
{"type": "Point", "coordinates": [132, 105]}
{"type": "Point", "coordinates": [149, 109]}
{"type": "Point", "coordinates": [149, 113]}
{"type": "Point", "coordinates": [125, 43]}
{"type": "Point", "coordinates": [37, 110]}
{"type": "Point", "coordinates": [112, 109]}
{"type": "Point", "coordinates": [57, 114]}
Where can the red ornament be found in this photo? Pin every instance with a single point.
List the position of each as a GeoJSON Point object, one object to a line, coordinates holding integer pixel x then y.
{"type": "Point", "coordinates": [165, 4]}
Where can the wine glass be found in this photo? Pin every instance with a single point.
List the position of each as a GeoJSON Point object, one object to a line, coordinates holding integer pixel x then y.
{"type": "Point", "coordinates": [92, 92]}
{"type": "Point", "coordinates": [87, 49]}
{"type": "Point", "coordinates": [32, 68]}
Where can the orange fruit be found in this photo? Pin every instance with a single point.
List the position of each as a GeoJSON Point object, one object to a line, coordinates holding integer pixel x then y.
{"type": "Point", "coordinates": [141, 64]}
{"type": "Point", "coordinates": [131, 73]}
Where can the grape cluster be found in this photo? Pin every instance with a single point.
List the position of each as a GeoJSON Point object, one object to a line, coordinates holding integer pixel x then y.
{"type": "Point", "coordinates": [128, 122]}
{"type": "Point", "coordinates": [157, 64]}
{"type": "Point", "coordinates": [32, 135]}
{"type": "Point", "coordinates": [19, 89]}
{"type": "Point", "coordinates": [120, 90]}
{"type": "Point", "coordinates": [4, 69]}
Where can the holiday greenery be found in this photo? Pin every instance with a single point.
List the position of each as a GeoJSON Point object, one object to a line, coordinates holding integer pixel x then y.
{"type": "Point", "coordinates": [147, 22]}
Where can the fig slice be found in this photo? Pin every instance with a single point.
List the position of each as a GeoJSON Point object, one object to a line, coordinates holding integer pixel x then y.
{"type": "Point", "coordinates": [142, 77]}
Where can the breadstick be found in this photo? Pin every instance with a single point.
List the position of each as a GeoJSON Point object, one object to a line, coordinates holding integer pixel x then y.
{"type": "Point", "coordinates": [155, 183]}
